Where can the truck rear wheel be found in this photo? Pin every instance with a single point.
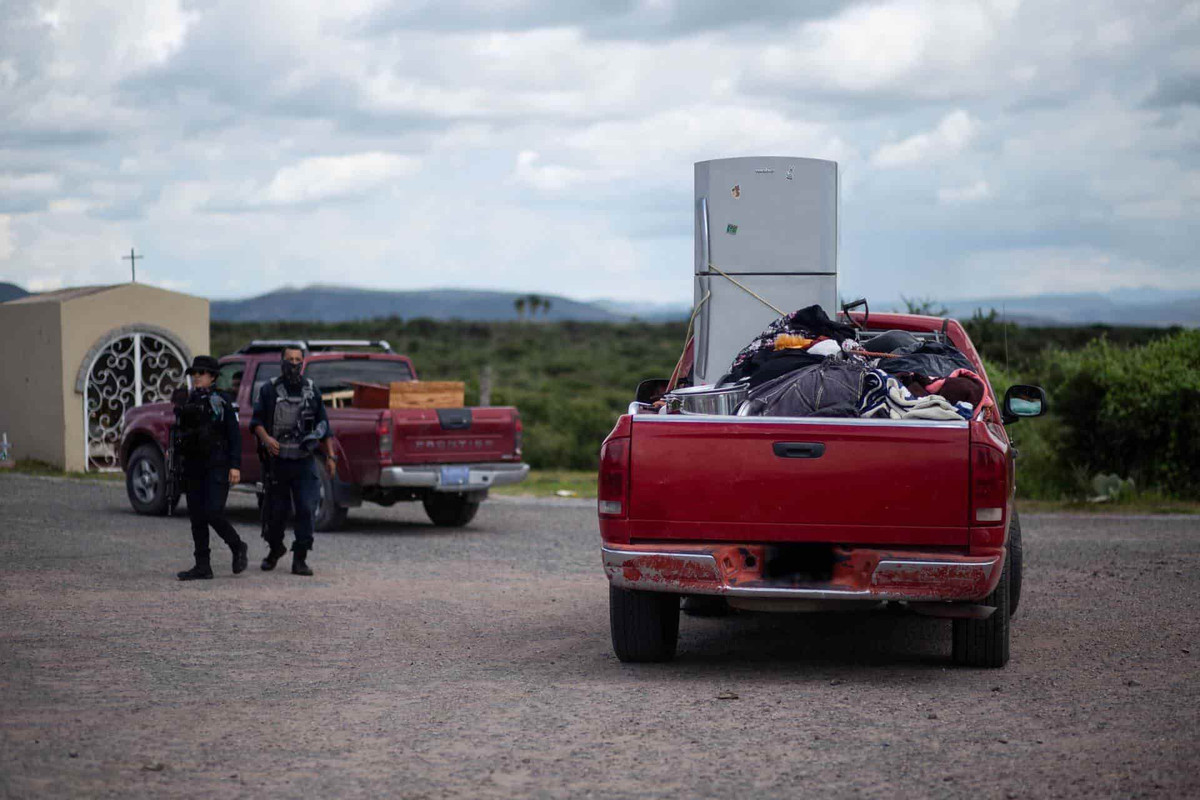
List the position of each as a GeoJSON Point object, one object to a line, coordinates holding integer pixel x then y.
{"type": "Point", "coordinates": [984, 642]}
{"type": "Point", "coordinates": [1017, 558]}
{"type": "Point", "coordinates": [645, 625]}
{"type": "Point", "coordinates": [448, 510]}
{"type": "Point", "coordinates": [146, 481]}
{"type": "Point", "coordinates": [330, 516]}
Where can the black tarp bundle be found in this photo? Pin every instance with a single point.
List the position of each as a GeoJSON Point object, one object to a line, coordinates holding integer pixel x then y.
{"type": "Point", "coordinates": [936, 359]}
{"type": "Point", "coordinates": [829, 389]}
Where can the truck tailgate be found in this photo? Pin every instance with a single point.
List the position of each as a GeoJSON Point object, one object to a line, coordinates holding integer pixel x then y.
{"type": "Point", "coordinates": [450, 435]}
{"type": "Point", "coordinates": [813, 480]}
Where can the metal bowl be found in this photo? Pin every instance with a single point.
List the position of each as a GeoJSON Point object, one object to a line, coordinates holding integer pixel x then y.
{"type": "Point", "coordinates": [707, 399]}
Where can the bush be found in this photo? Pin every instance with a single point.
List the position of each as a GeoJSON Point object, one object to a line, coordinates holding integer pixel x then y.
{"type": "Point", "coordinates": [1127, 411]}
{"type": "Point", "coordinates": [1135, 411]}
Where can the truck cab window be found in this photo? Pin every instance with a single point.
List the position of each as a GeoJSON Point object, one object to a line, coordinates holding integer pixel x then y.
{"type": "Point", "coordinates": [264, 373]}
{"type": "Point", "coordinates": [229, 380]}
{"type": "Point", "coordinates": [333, 376]}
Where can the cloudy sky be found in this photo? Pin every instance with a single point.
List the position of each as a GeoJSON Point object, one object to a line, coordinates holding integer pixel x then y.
{"type": "Point", "coordinates": [985, 146]}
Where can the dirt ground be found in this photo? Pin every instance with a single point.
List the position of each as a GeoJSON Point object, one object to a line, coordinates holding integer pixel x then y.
{"type": "Point", "coordinates": [424, 662]}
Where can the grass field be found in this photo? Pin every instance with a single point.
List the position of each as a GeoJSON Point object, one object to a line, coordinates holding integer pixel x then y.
{"type": "Point", "coordinates": [550, 482]}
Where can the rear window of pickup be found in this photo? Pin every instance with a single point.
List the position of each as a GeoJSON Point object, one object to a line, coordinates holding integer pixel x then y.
{"type": "Point", "coordinates": [333, 376]}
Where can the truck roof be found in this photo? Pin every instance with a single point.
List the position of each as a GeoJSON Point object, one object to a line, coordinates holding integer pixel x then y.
{"type": "Point", "coordinates": [312, 345]}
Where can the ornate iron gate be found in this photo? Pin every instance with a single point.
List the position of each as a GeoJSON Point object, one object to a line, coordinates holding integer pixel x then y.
{"type": "Point", "coordinates": [130, 369]}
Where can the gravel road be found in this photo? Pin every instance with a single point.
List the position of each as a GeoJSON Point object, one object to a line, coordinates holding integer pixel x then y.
{"type": "Point", "coordinates": [426, 662]}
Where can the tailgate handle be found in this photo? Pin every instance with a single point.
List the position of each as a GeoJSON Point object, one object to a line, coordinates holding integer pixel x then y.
{"type": "Point", "coordinates": [454, 419]}
{"type": "Point", "coordinates": [799, 449]}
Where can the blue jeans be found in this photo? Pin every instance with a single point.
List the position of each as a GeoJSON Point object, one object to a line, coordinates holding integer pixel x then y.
{"type": "Point", "coordinates": [295, 483]}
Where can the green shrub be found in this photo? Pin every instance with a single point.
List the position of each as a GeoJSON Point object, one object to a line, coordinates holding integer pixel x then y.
{"type": "Point", "coordinates": [1135, 411]}
{"type": "Point", "coordinates": [1130, 411]}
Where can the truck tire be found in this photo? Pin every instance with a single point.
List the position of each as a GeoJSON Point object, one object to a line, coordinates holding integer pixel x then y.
{"type": "Point", "coordinates": [984, 642]}
{"type": "Point", "coordinates": [330, 516]}
{"type": "Point", "coordinates": [644, 625]}
{"type": "Point", "coordinates": [1017, 558]}
{"type": "Point", "coordinates": [146, 481]}
{"type": "Point", "coordinates": [449, 510]}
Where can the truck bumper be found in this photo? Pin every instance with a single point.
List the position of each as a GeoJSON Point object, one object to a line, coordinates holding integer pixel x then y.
{"type": "Point", "coordinates": [857, 574]}
{"type": "Point", "coordinates": [451, 477]}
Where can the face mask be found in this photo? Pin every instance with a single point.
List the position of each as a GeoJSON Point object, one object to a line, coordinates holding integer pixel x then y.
{"type": "Point", "coordinates": [291, 373]}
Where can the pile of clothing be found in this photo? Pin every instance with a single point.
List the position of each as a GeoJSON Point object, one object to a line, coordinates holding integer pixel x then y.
{"type": "Point", "coordinates": [807, 365]}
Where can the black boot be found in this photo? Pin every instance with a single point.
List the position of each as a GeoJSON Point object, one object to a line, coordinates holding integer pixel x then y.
{"type": "Point", "coordinates": [201, 572]}
{"type": "Point", "coordinates": [299, 567]}
{"type": "Point", "coordinates": [241, 558]}
{"type": "Point", "coordinates": [273, 556]}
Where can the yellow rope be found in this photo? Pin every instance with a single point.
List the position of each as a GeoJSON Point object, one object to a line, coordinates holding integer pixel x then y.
{"type": "Point", "coordinates": [744, 288]}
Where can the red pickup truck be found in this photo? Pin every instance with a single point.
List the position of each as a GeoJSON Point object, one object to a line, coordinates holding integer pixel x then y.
{"type": "Point", "coordinates": [448, 458]}
{"type": "Point", "coordinates": [815, 513]}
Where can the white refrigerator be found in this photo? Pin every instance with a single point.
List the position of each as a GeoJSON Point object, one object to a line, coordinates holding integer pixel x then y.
{"type": "Point", "coordinates": [765, 226]}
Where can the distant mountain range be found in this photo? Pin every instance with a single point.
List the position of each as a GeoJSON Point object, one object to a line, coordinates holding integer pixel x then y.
{"type": "Point", "coordinates": [338, 304]}
{"type": "Point", "coordinates": [10, 291]}
{"type": "Point", "coordinates": [1147, 307]}
{"type": "Point", "coordinates": [321, 303]}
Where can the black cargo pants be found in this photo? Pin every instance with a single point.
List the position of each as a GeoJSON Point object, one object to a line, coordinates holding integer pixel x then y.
{"type": "Point", "coordinates": [296, 483]}
{"type": "Point", "coordinates": [206, 495]}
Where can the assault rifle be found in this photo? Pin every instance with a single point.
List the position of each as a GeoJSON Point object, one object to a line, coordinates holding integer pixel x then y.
{"type": "Point", "coordinates": [268, 484]}
{"type": "Point", "coordinates": [174, 463]}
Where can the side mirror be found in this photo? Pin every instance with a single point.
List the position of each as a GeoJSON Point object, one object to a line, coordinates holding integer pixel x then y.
{"type": "Point", "coordinates": [650, 390]}
{"type": "Point", "coordinates": [1023, 401]}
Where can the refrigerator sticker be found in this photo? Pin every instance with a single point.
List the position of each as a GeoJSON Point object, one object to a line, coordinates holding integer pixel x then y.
{"type": "Point", "coordinates": [736, 191]}
{"type": "Point", "coordinates": [731, 230]}
{"type": "Point", "coordinates": [763, 171]}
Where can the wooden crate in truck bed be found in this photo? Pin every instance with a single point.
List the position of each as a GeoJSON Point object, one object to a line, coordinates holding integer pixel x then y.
{"type": "Point", "coordinates": [410, 394]}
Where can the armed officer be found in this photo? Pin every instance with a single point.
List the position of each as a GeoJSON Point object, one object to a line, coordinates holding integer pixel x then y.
{"type": "Point", "coordinates": [211, 447]}
{"type": "Point", "coordinates": [290, 423]}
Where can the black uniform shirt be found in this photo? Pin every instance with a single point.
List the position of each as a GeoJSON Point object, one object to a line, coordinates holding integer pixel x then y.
{"type": "Point", "coordinates": [227, 450]}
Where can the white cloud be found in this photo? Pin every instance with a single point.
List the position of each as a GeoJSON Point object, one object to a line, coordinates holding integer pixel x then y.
{"type": "Point", "coordinates": [949, 138]}
{"type": "Point", "coordinates": [334, 177]}
{"type": "Point", "coordinates": [961, 195]}
{"type": "Point", "coordinates": [32, 183]}
{"type": "Point", "coordinates": [7, 245]}
{"type": "Point", "coordinates": [549, 177]}
{"type": "Point", "coordinates": [1062, 270]}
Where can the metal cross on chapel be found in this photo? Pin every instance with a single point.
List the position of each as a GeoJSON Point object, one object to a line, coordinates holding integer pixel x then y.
{"type": "Point", "coordinates": [132, 259]}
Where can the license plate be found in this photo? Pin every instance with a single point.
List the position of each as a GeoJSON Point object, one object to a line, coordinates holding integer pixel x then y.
{"type": "Point", "coordinates": [456, 476]}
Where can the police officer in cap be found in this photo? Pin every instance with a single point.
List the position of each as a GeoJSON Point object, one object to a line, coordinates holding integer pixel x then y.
{"type": "Point", "coordinates": [211, 446]}
{"type": "Point", "coordinates": [290, 423]}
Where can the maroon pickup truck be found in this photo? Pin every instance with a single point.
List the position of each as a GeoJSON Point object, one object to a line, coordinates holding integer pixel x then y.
{"type": "Point", "coordinates": [448, 458]}
{"type": "Point", "coordinates": [815, 513]}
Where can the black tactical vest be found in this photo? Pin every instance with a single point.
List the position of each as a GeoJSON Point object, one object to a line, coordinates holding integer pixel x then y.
{"type": "Point", "coordinates": [202, 428]}
{"type": "Point", "coordinates": [294, 419]}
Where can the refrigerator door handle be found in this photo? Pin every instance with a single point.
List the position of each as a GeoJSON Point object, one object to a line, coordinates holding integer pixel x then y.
{"type": "Point", "coordinates": [700, 364]}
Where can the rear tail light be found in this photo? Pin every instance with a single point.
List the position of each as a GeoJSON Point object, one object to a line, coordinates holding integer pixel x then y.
{"type": "Point", "coordinates": [518, 436]}
{"type": "Point", "coordinates": [989, 485]}
{"type": "Point", "coordinates": [614, 478]}
{"type": "Point", "coordinates": [383, 431]}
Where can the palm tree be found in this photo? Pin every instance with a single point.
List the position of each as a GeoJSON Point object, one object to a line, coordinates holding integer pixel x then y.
{"type": "Point", "coordinates": [519, 305]}
{"type": "Point", "coordinates": [535, 302]}
{"type": "Point", "coordinates": [545, 306]}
